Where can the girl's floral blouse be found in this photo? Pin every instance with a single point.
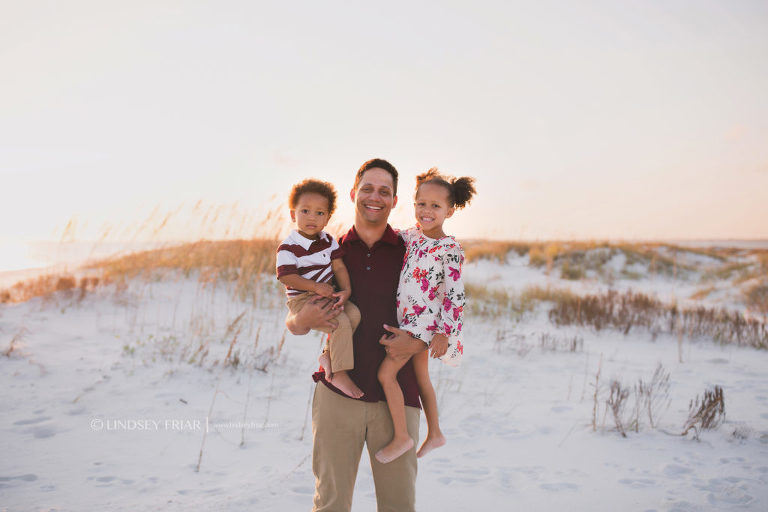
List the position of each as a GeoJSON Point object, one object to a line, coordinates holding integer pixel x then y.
{"type": "Point", "coordinates": [430, 297]}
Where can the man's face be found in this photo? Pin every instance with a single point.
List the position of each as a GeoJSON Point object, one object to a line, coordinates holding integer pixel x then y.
{"type": "Point", "coordinates": [374, 197]}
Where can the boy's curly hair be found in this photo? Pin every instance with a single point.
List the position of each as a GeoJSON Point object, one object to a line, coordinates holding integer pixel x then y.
{"type": "Point", "coordinates": [307, 186]}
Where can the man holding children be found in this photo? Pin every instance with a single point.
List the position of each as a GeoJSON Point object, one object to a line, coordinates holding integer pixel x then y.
{"type": "Point", "coordinates": [353, 414]}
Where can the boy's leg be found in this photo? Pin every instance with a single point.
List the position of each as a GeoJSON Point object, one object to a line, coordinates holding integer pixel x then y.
{"type": "Point", "coordinates": [338, 434]}
{"type": "Point", "coordinates": [340, 345]}
{"type": "Point", "coordinates": [297, 302]}
{"type": "Point", "coordinates": [435, 437]}
{"type": "Point", "coordinates": [396, 481]}
{"type": "Point", "coordinates": [401, 441]}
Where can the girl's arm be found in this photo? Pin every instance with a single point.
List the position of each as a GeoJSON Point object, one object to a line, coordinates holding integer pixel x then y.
{"type": "Point", "coordinates": [342, 278]}
{"type": "Point", "coordinates": [452, 309]}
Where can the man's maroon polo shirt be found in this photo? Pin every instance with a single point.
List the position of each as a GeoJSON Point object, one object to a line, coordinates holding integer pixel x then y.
{"type": "Point", "coordinates": [375, 274]}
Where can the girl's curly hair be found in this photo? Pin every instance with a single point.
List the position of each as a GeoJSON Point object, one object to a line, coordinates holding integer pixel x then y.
{"type": "Point", "coordinates": [460, 190]}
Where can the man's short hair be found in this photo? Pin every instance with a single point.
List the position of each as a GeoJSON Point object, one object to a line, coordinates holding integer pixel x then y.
{"type": "Point", "coordinates": [322, 188]}
{"type": "Point", "coordinates": [379, 163]}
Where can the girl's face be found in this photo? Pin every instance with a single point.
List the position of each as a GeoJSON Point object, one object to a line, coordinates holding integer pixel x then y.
{"type": "Point", "coordinates": [432, 208]}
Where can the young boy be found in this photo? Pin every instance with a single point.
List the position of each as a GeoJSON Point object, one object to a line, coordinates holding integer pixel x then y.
{"type": "Point", "coordinates": [306, 262]}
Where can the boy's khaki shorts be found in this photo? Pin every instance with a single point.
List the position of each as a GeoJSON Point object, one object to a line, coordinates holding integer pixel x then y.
{"type": "Point", "coordinates": [340, 341]}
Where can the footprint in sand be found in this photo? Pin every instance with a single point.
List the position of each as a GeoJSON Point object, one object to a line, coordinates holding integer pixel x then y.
{"type": "Point", "coordinates": [676, 471]}
{"type": "Point", "coordinates": [638, 483]}
{"type": "Point", "coordinates": [32, 421]}
{"type": "Point", "coordinates": [5, 481]}
{"type": "Point", "coordinates": [559, 486]}
{"type": "Point", "coordinates": [727, 491]}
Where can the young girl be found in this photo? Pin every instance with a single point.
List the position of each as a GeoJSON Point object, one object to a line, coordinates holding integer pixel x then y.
{"type": "Point", "coordinates": [430, 304]}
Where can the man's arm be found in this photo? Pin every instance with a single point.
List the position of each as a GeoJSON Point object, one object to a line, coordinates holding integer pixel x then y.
{"type": "Point", "coordinates": [400, 344]}
{"type": "Point", "coordinates": [317, 312]}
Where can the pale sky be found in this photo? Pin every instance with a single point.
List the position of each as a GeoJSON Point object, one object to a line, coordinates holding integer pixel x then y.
{"type": "Point", "coordinates": [591, 120]}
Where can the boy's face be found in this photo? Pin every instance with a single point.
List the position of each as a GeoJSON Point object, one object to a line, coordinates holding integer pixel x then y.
{"type": "Point", "coordinates": [374, 197]}
{"type": "Point", "coordinates": [310, 214]}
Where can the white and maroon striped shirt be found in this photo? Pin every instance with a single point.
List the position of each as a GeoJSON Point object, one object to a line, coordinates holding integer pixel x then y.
{"type": "Point", "coordinates": [310, 259]}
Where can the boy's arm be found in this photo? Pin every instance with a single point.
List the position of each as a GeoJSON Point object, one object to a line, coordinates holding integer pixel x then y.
{"type": "Point", "coordinates": [342, 279]}
{"type": "Point", "coordinates": [302, 283]}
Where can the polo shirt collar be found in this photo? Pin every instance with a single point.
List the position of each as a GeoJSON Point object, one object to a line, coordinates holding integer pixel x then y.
{"type": "Point", "coordinates": [389, 236]}
{"type": "Point", "coordinates": [305, 242]}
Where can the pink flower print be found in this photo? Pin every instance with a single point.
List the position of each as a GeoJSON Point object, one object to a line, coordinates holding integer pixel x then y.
{"type": "Point", "coordinates": [397, 303]}
{"type": "Point", "coordinates": [432, 292]}
{"type": "Point", "coordinates": [457, 311]}
{"type": "Point", "coordinates": [459, 347]}
{"type": "Point", "coordinates": [424, 284]}
{"type": "Point", "coordinates": [458, 329]}
{"type": "Point", "coordinates": [418, 309]}
{"type": "Point", "coordinates": [433, 327]}
{"type": "Point", "coordinates": [416, 273]}
{"type": "Point", "coordinates": [454, 273]}
{"type": "Point", "coordinates": [447, 329]}
{"type": "Point", "coordinates": [447, 304]}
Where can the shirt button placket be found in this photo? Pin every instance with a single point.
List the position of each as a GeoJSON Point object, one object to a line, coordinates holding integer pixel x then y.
{"type": "Point", "coordinates": [368, 267]}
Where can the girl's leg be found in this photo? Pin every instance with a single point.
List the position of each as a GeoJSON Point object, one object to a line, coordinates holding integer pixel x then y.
{"type": "Point", "coordinates": [435, 437]}
{"type": "Point", "coordinates": [401, 441]}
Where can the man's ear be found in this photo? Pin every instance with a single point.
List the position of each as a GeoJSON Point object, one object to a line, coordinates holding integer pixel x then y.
{"type": "Point", "coordinates": [352, 194]}
{"type": "Point", "coordinates": [394, 201]}
{"type": "Point", "coordinates": [293, 215]}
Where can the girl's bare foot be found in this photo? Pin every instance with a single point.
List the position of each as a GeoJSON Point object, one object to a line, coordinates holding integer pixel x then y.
{"type": "Point", "coordinates": [343, 382]}
{"type": "Point", "coordinates": [430, 443]}
{"type": "Point", "coordinates": [394, 449]}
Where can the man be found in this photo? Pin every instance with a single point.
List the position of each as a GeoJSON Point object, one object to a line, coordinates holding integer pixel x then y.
{"type": "Point", "coordinates": [341, 425]}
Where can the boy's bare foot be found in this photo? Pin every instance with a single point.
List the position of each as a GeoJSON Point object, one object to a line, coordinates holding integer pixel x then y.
{"type": "Point", "coordinates": [325, 362]}
{"type": "Point", "coordinates": [343, 382]}
{"type": "Point", "coordinates": [430, 443]}
{"type": "Point", "coordinates": [394, 449]}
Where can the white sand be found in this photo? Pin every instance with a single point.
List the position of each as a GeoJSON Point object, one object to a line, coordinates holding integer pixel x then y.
{"type": "Point", "coordinates": [102, 410]}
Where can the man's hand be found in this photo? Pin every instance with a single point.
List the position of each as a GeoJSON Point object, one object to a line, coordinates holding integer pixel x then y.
{"type": "Point", "coordinates": [400, 344]}
{"type": "Point", "coordinates": [324, 290]}
{"type": "Point", "coordinates": [317, 312]}
{"type": "Point", "coordinates": [341, 298]}
{"type": "Point", "coordinates": [439, 345]}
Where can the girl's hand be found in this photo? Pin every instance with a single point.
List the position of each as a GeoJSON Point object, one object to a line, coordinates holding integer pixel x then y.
{"type": "Point", "coordinates": [324, 290]}
{"type": "Point", "coordinates": [341, 298]}
{"type": "Point", "coordinates": [439, 345]}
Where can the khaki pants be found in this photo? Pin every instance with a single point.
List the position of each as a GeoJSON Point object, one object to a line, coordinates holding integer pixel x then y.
{"type": "Point", "coordinates": [340, 341]}
{"type": "Point", "coordinates": [340, 428]}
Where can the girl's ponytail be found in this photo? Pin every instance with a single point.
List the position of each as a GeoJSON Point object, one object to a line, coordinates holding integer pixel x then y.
{"type": "Point", "coordinates": [463, 190]}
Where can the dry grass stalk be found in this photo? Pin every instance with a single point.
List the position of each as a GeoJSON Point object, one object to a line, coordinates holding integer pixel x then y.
{"type": "Point", "coordinates": [623, 311]}
{"type": "Point", "coordinates": [707, 413]}
{"type": "Point", "coordinates": [616, 402]}
{"type": "Point", "coordinates": [595, 396]}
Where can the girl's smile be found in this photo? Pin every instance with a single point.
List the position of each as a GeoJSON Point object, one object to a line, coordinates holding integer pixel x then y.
{"type": "Point", "coordinates": [432, 208]}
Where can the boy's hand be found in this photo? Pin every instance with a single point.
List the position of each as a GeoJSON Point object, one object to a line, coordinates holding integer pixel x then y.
{"type": "Point", "coordinates": [439, 345]}
{"type": "Point", "coordinates": [341, 297]}
{"type": "Point", "coordinates": [324, 290]}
